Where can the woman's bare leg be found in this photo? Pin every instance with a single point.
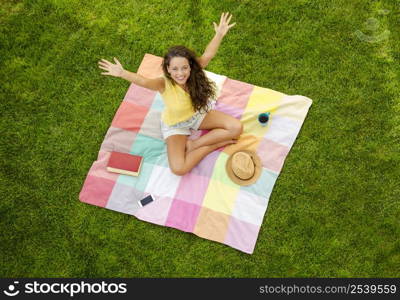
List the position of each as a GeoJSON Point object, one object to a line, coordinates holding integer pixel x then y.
{"type": "Point", "coordinates": [223, 127]}
{"type": "Point", "coordinates": [214, 136]}
{"type": "Point", "coordinates": [181, 161]}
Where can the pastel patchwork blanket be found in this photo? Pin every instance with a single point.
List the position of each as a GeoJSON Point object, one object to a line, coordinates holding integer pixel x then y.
{"type": "Point", "coordinates": [205, 201]}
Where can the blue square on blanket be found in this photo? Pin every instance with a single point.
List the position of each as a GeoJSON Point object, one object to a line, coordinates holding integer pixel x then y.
{"type": "Point", "coordinates": [148, 147]}
{"type": "Point", "coordinates": [158, 103]}
{"type": "Point", "coordinates": [138, 182]}
{"type": "Point", "coordinates": [264, 185]}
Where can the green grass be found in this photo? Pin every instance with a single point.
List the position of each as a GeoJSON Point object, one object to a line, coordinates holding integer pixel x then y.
{"type": "Point", "coordinates": [334, 211]}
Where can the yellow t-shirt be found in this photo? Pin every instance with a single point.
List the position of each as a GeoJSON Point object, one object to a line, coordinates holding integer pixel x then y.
{"type": "Point", "coordinates": [178, 104]}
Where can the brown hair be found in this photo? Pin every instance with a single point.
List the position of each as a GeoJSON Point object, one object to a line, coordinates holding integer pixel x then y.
{"type": "Point", "coordinates": [201, 89]}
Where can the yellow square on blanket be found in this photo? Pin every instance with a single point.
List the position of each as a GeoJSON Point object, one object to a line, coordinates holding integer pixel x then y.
{"type": "Point", "coordinates": [260, 100]}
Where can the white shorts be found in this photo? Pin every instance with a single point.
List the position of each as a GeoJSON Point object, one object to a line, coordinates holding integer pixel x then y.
{"type": "Point", "coordinates": [185, 127]}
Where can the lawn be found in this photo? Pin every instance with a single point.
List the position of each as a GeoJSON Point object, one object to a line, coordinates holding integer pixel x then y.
{"type": "Point", "coordinates": [334, 211]}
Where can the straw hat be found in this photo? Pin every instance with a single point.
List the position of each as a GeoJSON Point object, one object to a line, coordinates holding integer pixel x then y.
{"type": "Point", "coordinates": [244, 167]}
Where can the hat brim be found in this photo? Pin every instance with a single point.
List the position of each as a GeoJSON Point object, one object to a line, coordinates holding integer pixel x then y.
{"type": "Point", "coordinates": [257, 169]}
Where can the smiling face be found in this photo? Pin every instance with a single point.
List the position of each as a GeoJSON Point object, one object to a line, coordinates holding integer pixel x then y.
{"type": "Point", "coordinates": [179, 69]}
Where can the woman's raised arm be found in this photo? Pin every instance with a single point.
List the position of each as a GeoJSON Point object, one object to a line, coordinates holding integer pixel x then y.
{"type": "Point", "coordinates": [116, 70]}
{"type": "Point", "coordinates": [220, 31]}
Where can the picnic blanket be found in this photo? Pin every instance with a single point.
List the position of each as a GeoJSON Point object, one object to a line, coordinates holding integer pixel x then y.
{"type": "Point", "coordinates": [205, 201]}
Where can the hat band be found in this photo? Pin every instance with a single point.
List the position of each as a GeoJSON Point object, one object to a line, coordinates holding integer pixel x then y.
{"type": "Point", "coordinates": [248, 178]}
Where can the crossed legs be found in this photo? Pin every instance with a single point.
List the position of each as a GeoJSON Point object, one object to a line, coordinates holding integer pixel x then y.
{"type": "Point", "coordinates": [222, 127]}
{"type": "Point", "coordinates": [184, 154]}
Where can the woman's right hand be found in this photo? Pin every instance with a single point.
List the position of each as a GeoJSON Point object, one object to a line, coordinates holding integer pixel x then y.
{"type": "Point", "coordinates": [113, 69]}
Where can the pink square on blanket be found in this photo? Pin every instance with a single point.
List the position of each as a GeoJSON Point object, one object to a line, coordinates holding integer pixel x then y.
{"type": "Point", "coordinates": [183, 215]}
{"type": "Point", "coordinates": [156, 212]}
{"type": "Point", "coordinates": [242, 235]}
{"type": "Point", "coordinates": [96, 190]}
{"type": "Point", "coordinates": [231, 110]}
{"type": "Point", "coordinates": [118, 139]}
{"type": "Point", "coordinates": [192, 193]}
{"type": "Point", "coordinates": [130, 116]}
{"type": "Point", "coordinates": [235, 93]}
{"type": "Point", "coordinates": [99, 167]}
{"type": "Point", "coordinates": [272, 154]}
{"type": "Point", "coordinates": [140, 95]}
{"type": "Point", "coordinates": [203, 132]}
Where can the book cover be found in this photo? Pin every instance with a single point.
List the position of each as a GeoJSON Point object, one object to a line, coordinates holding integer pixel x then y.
{"type": "Point", "coordinates": [124, 163]}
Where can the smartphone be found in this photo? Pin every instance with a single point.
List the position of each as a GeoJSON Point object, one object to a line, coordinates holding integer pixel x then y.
{"type": "Point", "coordinates": [146, 200]}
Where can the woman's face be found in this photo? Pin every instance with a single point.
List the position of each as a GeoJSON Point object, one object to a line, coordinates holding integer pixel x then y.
{"type": "Point", "coordinates": [179, 69]}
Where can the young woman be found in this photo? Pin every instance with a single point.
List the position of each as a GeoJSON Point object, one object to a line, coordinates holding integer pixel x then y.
{"type": "Point", "coordinates": [189, 97]}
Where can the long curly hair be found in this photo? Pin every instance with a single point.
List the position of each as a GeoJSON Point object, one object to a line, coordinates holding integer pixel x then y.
{"type": "Point", "coordinates": [201, 89]}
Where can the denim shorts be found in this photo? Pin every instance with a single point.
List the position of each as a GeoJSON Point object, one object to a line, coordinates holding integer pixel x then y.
{"type": "Point", "coordinates": [185, 127]}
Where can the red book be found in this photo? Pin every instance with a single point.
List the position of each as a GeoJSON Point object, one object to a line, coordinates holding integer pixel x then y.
{"type": "Point", "coordinates": [124, 163]}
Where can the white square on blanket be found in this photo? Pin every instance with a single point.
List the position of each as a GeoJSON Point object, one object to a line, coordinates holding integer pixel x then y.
{"type": "Point", "coordinates": [163, 182]}
{"type": "Point", "coordinates": [283, 130]}
{"type": "Point", "coordinates": [218, 79]}
{"type": "Point", "coordinates": [250, 208]}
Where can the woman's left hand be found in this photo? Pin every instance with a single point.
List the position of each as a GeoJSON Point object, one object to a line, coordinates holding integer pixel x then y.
{"type": "Point", "coordinates": [223, 26]}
